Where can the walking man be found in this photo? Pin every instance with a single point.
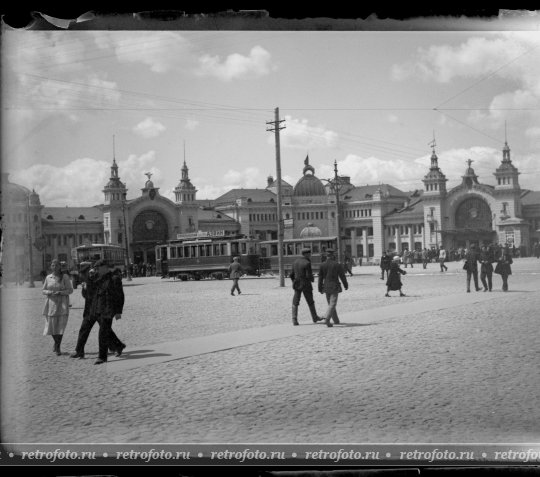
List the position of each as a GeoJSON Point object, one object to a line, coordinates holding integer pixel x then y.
{"type": "Point", "coordinates": [386, 260]}
{"type": "Point", "coordinates": [302, 278]}
{"type": "Point", "coordinates": [486, 268]}
{"type": "Point", "coordinates": [115, 345]}
{"type": "Point", "coordinates": [425, 257]}
{"type": "Point", "coordinates": [330, 274]}
{"type": "Point", "coordinates": [442, 259]}
{"type": "Point", "coordinates": [235, 272]}
{"type": "Point", "coordinates": [104, 302]}
{"type": "Point", "coordinates": [471, 265]}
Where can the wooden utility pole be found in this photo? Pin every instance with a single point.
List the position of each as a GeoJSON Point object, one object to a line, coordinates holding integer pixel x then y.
{"type": "Point", "coordinates": [338, 207]}
{"type": "Point", "coordinates": [276, 129]}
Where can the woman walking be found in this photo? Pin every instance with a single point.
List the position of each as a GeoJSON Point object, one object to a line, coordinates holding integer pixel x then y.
{"type": "Point", "coordinates": [503, 266]}
{"type": "Point", "coordinates": [394, 279]}
{"type": "Point", "coordinates": [56, 287]}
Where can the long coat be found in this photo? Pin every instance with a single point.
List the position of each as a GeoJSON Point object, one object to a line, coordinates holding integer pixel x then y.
{"type": "Point", "coordinates": [386, 260]}
{"type": "Point", "coordinates": [471, 261]}
{"type": "Point", "coordinates": [302, 274]}
{"type": "Point", "coordinates": [235, 270]}
{"type": "Point", "coordinates": [394, 279]}
{"type": "Point", "coordinates": [330, 274]}
{"type": "Point", "coordinates": [104, 297]}
{"type": "Point", "coordinates": [503, 264]}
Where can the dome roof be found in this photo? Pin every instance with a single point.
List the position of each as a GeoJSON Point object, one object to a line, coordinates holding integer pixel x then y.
{"type": "Point", "coordinates": [309, 185]}
{"type": "Point", "coordinates": [310, 231]}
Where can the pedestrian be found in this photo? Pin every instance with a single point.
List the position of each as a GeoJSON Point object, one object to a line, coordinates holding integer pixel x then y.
{"type": "Point", "coordinates": [88, 322]}
{"type": "Point", "coordinates": [442, 259]}
{"type": "Point", "coordinates": [386, 260]}
{"type": "Point", "coordinates": [471, 265]}
{"type": "Point", "coordinates": [536, 249]}
{"type": "Point", "coordinates": [503, 267]}
{"type": "Point", "coordinates": [56, 287]}
{"type": "Point", "coordinates": [104, 302]}
{"type": "Point", "coordinates": [425, 257]}
{"type": "Point", "coordinates": [330, 275]}
{"type": "Point", "coordinates": [235, 272]}
{"type": "Point", "coordinates": [406, 255]}
{"type": "Point", "coordinates": [394, 279]}
{"type": "Point", "coordinates": [348, 264]}
{"type": "Point", "coordinates": [302, 279]}
{"type": "Point", "coordinates": [486, 268]}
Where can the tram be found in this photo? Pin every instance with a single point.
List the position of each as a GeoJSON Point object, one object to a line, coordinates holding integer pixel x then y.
{"type": "Point", "coordinates": [292, 249]}
{"type": "Point", "coordinates": [206, 256]}
{"type": "Point", "coordinates": [114, 254]}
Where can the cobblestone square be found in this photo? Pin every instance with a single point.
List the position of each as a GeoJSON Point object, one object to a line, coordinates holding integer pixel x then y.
{"type": "Point", "coordinates": [439, 365]}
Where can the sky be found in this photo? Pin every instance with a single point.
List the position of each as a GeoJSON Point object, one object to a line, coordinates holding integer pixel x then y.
{"type": "Point", "coordinates": [373, 101]}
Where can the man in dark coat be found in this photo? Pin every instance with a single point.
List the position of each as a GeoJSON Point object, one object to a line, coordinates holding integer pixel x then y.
{"type": "Point", "coordinates": [104, 302]}
{"type": "Point", "coordinates": [302, 278]}
{"type": "Point", "coordinates": [471, 265]}
{"type": "Point", "coordinates": [386, 260]}
{"type": "Point", "coordinates": [235, 272]}
{"type": "Point", "coordinates": [330, 274]}
{"type": "Point", "coordinates": [486, 268]}
{"type": "Point", "coordinates": [394, 280]}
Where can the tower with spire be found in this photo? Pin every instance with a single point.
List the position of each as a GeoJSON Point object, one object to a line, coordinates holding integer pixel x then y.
{"type": "Point", "coordinates": [434, 200]}
{"type": "Point", "coordinates": [185, 195]}
{"type": "Point", "coordinates": [507, 188]}
{"type": "Point", "coordinates": [115, 194]}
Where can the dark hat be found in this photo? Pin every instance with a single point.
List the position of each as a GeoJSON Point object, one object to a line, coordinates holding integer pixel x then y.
{"type": "Point", "coordinates": [306, 250]}
{"type": "Point", "coordinates": [85, 266]}
{"type": "Point", "coordinates": [330, 250]}
{"type": "Point", "coordinates": [100, 263]}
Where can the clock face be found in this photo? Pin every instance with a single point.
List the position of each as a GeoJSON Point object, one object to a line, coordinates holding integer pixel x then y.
{"type": "Point", "coordinates": [473, 212]}
{"type": "Point", "coordinates": [149, 224]}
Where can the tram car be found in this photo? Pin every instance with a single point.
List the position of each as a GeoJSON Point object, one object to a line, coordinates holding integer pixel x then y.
{"type": "Point", "coordinates": [206, 257]}
{"type": "Point", "coordinates": [292, 249]}
{"type": "Point", "coordinates": [85, 255]}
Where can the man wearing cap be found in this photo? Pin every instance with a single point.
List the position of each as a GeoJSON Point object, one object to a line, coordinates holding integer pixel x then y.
{"type": "Point", "coordinates": [235, 272]}
{"type": "Point", "coordinates": [104, 301]}
{"type": "Point", "coordinates": [330, 274]}
{"type": "Point", "coordinates": [302, 278]}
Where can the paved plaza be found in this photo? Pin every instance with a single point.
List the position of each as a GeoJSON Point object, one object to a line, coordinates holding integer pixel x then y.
{"type": "Point", "coordinates": [201, 366]}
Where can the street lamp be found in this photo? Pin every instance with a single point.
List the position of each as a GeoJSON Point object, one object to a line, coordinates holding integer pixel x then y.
{"type": "Point", "coordinates": [30, 261]}
{"type": "Point", "coordinates": [433, 221]}
{"type": "Point", "coordinates": [335, 184]}
{"type": "Point", "coordinates": [128, 275]}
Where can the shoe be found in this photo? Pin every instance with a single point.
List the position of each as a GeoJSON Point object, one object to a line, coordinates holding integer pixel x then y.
{"type": "Point", "coordinates": [336, 321]}
{"type": "Point", "coordinates": [317, 319]}
{"type": "Point", "coordinates": [232, 293]}
{"type": "Point", "coordinates": [387, 295]}
{"type": "Point", "coordinates": [328, 323]}
{"type": "Point", "coordinates": [100, 361]}
{"type": "Point", "coordinates": [239, 292]}
{"type": "Point", "coordinates": [402, 294]}
{"type": "Point", "coordinates": [120, 349]}
{"type": "Point", "coordinates": [77, 355]}
{"type": "Point", "coordinates": [295, 322]}
{"type": "Point", "coordinates": [478, 289]}
{"type": "Point", "coordinates": [468, 291]}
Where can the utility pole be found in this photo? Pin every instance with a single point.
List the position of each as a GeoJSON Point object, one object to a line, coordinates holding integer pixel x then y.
{"type": "Point", "coordinates": [276, 129]}
{"type": "Point", "coordinates": [30, 261]}
{"type": "Point", "coordinates": [338, 216]}
{"type": "Point", "coordinates": [128, 275]}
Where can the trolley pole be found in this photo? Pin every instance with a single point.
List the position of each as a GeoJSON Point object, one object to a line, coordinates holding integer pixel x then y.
{"type": "Point", "coordinates": [276, 130]}
{"type": "Point", "coordinates": [338, 216]}
{"type": "Point", "coordinates": [128, 275]}
{"type": "Point", "coordinates": [31, 283]}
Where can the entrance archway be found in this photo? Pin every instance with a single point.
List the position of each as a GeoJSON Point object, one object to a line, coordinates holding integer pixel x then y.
{"type": "Point", "coordinates": [150, 227]}
{"type": "Point", "coordinates": [473, 223]}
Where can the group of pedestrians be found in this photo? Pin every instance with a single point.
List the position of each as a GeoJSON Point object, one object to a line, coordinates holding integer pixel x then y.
{"type": "Point", "coordinates": [104, 301]}
{"type": "Point", "coordinates": [486, 257]}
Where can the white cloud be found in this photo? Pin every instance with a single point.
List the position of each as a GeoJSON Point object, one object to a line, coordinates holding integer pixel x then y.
{"type": "Point", "coordinates": [299, 134]}
{"type": "Point", "coordinates": [149, 128]}
{"type": "Point", "coordinates": [61, 186]}
{"type": "Point", "coordinates": [162, 51]}
{"type": "Point", "coordinates": [533, 132]}
{"type": "Point", "coordinates": [192, 124]}
{"type": "Point", "coordinates": [256, 64]}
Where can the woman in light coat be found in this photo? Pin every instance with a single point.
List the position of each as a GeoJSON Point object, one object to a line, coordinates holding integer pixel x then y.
{"type": "Point", "coordinates": [56, 287]}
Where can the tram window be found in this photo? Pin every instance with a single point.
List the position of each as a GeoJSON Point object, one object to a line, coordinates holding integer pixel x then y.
{"type": "Point", "coordinates": [289, 249]}
{"type": "Point", "coordinates": [208, 250]}
{"type": "Point", "coordinates": [264, 251]}
{"type": "Point", "coordinates": [202, 251]}
{"type": "Point", "coordinates": [216, 250]}
{"type": "Point", "coordinates": [274, 249]}
{"type": "Point", "coordinates": [186, 252]}
{"type": "Point", "coordinates": [173, 252]}
{"type": "Point", "coordinates": [223, 247]}
{"type": "Point", "coordinates": [193, 251]}
{"type": "Point", "coordinates": [298, 248]}
{"type": "Point", "coordinates": [180, 252]}
{"type": "Point", "coordinates": [158, 254]}
{"type": "Point", "coordinates": [316, 247]}
{"type": "Point", "coordinates": [243, 248]}
{"type": "Point", "coordinates": [234, 248]}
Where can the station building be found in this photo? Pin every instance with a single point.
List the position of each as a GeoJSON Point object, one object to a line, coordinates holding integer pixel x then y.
{"type": "Point", "coordinates": [372, 218]}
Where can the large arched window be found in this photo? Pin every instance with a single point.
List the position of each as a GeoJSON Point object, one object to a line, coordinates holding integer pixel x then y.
{"type": "Point", "coordinates": [474, 213]}
{"type": "Point", "coordinates": [150, 225]}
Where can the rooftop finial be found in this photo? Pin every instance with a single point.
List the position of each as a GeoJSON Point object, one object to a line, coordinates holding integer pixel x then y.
{"type": "Point", "coordinates": [432, 143]}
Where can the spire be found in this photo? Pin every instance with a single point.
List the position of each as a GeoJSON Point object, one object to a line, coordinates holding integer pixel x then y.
{"type": "Point", "coordinates": [434, 158]}
{"type": "Point", "coordinates": [307, 166]}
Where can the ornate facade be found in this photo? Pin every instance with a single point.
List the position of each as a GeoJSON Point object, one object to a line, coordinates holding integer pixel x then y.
{"type": "Point", "coordinates": [371, 218]}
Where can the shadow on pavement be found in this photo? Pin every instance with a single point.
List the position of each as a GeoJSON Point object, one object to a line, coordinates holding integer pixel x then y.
{"type": "Point", "coordinates": [141, 354]}
{"type": "Point", "coordinates": [348, 325]}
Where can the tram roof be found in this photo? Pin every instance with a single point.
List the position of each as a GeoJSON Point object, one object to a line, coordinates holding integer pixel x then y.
{"type": "Point", "coordinates": [305, 239]}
